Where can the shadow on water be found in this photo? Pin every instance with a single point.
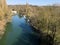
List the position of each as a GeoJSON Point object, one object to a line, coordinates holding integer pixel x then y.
{"type": "Point", "coordinates": [18, 32]}
{"type": "Point", "coordinates": [28, 36]}
{"type": "Point", "coordinates": [27, 39]}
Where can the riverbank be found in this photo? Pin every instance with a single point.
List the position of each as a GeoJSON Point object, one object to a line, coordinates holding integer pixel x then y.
{"type": "Point", "coordinates": [2, 28]}
{"type": "Point", "coordinates": [7, 28]}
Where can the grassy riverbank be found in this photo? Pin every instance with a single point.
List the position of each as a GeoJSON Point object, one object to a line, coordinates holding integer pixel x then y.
{"type": "Point", "coordinates": [48, 22]}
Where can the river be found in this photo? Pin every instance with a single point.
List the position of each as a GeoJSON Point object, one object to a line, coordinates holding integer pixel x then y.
{"type": "Point", "coordinates": [19, 32]}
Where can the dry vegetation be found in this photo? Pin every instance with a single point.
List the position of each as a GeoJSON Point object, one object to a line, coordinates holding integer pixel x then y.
{"type": "Point", "coordinates": [48, 21]}
{"type": "Point", "coordinates": [45, 19]}
{"type": "Point", "coordinates": [5, 15]}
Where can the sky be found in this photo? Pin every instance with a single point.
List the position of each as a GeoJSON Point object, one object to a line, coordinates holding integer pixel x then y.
{"type": "Point", "coordinates": [33, 2]}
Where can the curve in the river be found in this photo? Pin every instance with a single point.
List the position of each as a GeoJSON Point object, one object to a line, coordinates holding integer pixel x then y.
{"type": "Point", "coordinates": [19, 32]}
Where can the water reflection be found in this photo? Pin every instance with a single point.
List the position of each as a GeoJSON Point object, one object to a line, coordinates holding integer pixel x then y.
{"type": "Point", "coordinates": [19, 33]}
